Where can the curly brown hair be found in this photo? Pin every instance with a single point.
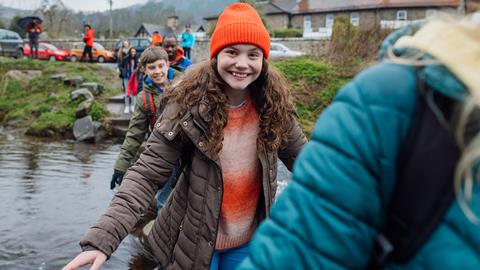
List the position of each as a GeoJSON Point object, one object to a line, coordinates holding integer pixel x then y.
{"type": "Point", "coordinates": [270, 94]}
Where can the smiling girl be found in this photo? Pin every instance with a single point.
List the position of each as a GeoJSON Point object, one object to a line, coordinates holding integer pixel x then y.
{"type": "Point", "coordinates": [228, 121]}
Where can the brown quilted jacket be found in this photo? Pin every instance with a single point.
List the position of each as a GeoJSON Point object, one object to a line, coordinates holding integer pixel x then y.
{"type": "Point", "coordinates": [184, 233]}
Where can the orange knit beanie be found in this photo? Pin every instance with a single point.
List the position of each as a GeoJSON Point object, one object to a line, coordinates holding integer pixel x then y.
{"type": "Point", "coordinates": [239, 23]}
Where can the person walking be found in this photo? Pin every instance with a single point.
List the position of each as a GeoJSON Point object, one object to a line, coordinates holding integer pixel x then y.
{"type": "Point", "coordinates": [127, 69]}
{"type": "Point", "coordinates": [157, 39]}
{"type": "Point", "coordinates": [389, 179]}
{"type": "Point", "coordinates": [88, 39]}
{"type": "Point", "coordinates": [123, 51]}
{"type": "Point", "coordinates": [228, 120]}
{"type": "Point", "coordinates": [188, 41]}
{"type": "Point", "coordinates": [34, 31]}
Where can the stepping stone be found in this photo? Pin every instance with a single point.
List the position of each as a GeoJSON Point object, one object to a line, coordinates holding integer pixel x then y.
{"type": "Point", "coordinates": [58, 76]}
{"type": "Point", "coordinates": [73, 81]}
{"type": "Point", "coordinates": [83, 108]}
{"type": "Point", "coordinates": [23, 75]}
{"type": "Point", "coordinates": [84, 129]}
{"type": "Point", "coordinates": [82, 92]}
{"type": "Point", "coordinates": [94, 87]}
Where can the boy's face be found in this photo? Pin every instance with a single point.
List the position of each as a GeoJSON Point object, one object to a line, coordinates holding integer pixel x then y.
{"type": "Point", "coordinates": [157, 71]}
{"type": "Point", "coordinates": [170, 46]}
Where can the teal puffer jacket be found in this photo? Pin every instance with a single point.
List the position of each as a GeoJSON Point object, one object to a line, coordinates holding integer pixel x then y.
{"type": "Point", "coordinates": [329, 215]}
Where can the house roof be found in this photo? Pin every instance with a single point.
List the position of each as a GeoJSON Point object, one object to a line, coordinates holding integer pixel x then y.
{"type": "Point", "coordinates": [150, 28]}
{"type": "Point", "coordinates": [312, 6]}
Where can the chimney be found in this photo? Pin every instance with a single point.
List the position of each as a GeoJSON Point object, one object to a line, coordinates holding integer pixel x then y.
{"type": "Point", "coordinates": [172, 22]}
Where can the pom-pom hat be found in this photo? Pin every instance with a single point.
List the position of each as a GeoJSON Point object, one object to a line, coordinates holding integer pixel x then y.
{"type": "Point", "coordinates": [239, 23]}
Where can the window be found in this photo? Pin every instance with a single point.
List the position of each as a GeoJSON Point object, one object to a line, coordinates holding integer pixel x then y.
{"type": "Point", "coordinates": [430, 12]}
{"type": "Point", "coordinates": [329, 21]}
{"type": "Point", "coordinates": [401, 15]}
{"type": "Point", "coordinates": [307, 22]}
{"type": "Point", "coordinates": [354, 18]}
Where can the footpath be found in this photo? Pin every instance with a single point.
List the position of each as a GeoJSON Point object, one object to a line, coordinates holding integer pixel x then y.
{"type": "Point", "coordinates": [118, 119]}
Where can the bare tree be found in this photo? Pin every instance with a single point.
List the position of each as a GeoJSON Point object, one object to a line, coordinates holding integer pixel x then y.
{"type": "Point", "coordinates": [55, 15]}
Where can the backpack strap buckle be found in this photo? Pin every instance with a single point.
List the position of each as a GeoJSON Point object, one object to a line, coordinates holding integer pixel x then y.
{"type": "Point", "coordinates": [382, 252]}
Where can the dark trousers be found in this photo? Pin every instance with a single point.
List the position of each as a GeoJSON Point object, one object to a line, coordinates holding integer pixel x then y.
{"type": "Point", "coordinates": [187, 51]}
{"type": "Point", "coordinates": [87, 49]}
{"type": "Point", "coordinates": [33, 49]}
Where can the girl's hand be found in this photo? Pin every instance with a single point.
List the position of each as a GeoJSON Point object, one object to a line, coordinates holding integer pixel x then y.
{"type": "Point", "coordinates": [95, 257]}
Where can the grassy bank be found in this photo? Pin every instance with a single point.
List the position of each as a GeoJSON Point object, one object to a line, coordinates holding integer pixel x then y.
{"type": "Point", "coordinates": [42, 104]}
{"type": "Point", "coordinates": [314, 84]}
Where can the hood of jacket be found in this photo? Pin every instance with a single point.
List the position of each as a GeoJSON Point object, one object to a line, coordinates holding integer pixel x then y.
{"type": "Point", "coordinates": [180, 54]}
{"type": "Point", "coordinates": [453, 45]}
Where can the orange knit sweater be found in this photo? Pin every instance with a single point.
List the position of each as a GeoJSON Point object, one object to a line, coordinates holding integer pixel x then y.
{"type": "Point", "coordinates": [241, 177]}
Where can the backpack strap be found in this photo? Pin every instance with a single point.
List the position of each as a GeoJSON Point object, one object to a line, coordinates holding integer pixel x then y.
{"type": "Point", "coordinates": [149, 105]}
{"type": "Point", "coordinates": [424, 186]}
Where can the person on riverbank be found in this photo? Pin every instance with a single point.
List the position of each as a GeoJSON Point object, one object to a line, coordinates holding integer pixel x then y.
{"type": "Point", "coordinates": [34, 31]}
{"type": "Point", "coordinates": [128, 68]}
{"type": "Point", "coordinates": [188, 41]}
{"type": "Point", "coordinates": [227, 121]}
{"type": "Point", "coordinates": [123, 51]}
{"type": "Point", "coordinates": [157, 39]}
{"type": "Point", "coordinates": [88, 39]}
{"type": "Point", "coordinates": [397, 167]}
{"type": "Point", "coordinates": [175, 54]}
{"type": "Point", "coordinates": [154, 62]}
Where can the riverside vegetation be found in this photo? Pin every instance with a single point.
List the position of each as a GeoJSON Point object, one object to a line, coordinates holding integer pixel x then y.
{"type": "Point", "coordinates": [43, 106]}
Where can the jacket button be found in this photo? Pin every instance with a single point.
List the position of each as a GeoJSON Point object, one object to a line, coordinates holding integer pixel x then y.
{"type": "Point", "coordinates": [181, 227]}
{"type": "Point", "coordinates": [219, 188]}
{"type": "Point", "coordinates": [170, 134]}
{"type": "Point", "coordinates": [210, 243]}
{"type": "Point", "coordinates": [200, 144]}
{"type": "Point", "coordinates": [271, 172]}
{"type": "Point", "coordinates": [158, 125]}
{"type": "Point", "coordinates": [185, 123]}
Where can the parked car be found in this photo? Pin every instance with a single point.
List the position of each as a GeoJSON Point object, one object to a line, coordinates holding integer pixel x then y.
{"type": "Point", "coordinates": [140, 44]}
{"type": "Point", "coordinates": [278, 50]}
{"type": "Point", "coordinates": [11, 44]}
{"type": "Point", "coordinates": [47, 51]}
{"type": "Point", "coordinates": [100, 54]}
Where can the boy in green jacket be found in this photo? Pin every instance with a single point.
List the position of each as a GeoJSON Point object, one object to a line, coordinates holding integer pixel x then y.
{"type": "Point", "coordinates": [154, 62]}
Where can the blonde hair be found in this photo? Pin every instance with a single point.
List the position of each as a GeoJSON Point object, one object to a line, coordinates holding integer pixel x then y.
{"type": "Point", "coordinates": [464, 177]}
{"type": "Point", "coordinates": [120, 53]}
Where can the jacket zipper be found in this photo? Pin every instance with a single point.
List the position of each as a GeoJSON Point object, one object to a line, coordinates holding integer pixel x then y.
{"type": "Point", "coordinates": [267, 189]}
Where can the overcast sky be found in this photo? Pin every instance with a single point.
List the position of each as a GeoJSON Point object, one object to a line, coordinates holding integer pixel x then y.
{"type": "Point", "coordinates": [76, 5]}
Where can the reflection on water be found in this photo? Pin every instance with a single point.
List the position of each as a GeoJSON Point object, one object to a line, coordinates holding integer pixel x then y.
{"type": "Point", "coordinates": [51, 192]}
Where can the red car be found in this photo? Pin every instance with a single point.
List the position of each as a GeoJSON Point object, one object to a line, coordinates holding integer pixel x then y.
{"type": "Point", "coordinates": [48, 52]}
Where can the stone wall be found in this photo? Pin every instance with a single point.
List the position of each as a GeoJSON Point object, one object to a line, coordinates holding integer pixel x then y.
{"type": "Point", "coordinates": [314, 47]}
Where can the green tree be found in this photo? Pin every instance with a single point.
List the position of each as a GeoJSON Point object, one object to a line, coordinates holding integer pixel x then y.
{"type": "Point", "coordinates": [2, 24]}
{"type": "Point", "coordinates": [14, 27]}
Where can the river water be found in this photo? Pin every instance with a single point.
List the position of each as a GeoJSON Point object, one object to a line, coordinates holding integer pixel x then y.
{"type": "Point", "coordinates": [50, 193]}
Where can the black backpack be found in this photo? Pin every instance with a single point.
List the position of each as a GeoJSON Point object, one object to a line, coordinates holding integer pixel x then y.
{"type": "Point", "coordinates": [424, 187]}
